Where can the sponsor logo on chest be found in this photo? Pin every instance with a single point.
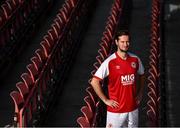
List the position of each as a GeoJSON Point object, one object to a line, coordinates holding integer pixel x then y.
{"type": "Point", "coordinates": [127, 79]}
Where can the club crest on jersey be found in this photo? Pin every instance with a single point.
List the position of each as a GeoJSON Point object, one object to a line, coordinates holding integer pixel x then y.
{"type": "Point", "coordinates": [133, 65]}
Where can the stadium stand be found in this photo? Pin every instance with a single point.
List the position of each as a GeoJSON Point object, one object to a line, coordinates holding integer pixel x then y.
{"type": "Point", "coordinates": [52, 86]}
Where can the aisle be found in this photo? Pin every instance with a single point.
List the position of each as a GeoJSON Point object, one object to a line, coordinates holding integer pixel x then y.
{"type": "Point", "coordinates": [70, 101]}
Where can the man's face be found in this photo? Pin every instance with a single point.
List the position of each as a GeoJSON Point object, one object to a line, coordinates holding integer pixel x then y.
{"type": "Point", "coordinates": [123, 43]}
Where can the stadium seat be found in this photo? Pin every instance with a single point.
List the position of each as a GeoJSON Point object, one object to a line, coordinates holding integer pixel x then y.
{"type": "Point", "coordinates": [72, 2]}
{"type": "Point", "coordinates": [90, 103]}
{"type": "Point", "coordinates": [57, 25]}
{"type": "Point", "coordinates": [37, 63]}
{"type": "Point", "coordinates": [68, 6]}
{"type": "Point", "coordinates": [6, 10]}
{"type": "Point", "coordinates": [41, 55]}
{"type": "Point", "coordinates": [105, 40]}
{"type": "Point", "coordinates": [60, 19]}
{"type": "Point", "coordinates": [63, 15]}
{"type": "Point", "coordinates": [53, 35]}
{"type": "Point", "coordinates": [47, 38]}
{"type": "Point", "coordinates": [103, 52]}
{"type": "Point", "coordinates": [83, 122]}
{"type": "Point", "coordinates": [46, 48]}
{"type": "Point", "coordinates": [87, 113]}
{"type": "Point", "coordinates": [27, 80]}
{"type": "Point", "coordinates": [18, 103]}
{"type": "Point", "coordinates": [107, 36]}
{"type": "Point", "coordinates": [18, 100]}
{"type": "Point", "coordinates": [66, 10]}
{"type": "Point", "coordinates": [23, 89]}
{"type": "Point", "coordinates": [11, 4]}
{"type": "Point", "coordinates": [32, 71]}
{"type": "Point", "coordinates": [99, 59]}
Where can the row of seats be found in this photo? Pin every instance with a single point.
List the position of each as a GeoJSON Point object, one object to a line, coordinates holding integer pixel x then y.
{"type": "Point", "coordinates": [153, 103]}
{"type": "Point", "coordinates": [37, 85]}
{"type": "Point", "coordinates": [18, 19]}
{"type": "Point", "coordinates": [91, 110]}
{"type": "Point", "coordinates": [16, 16]}
{"type": "Point", "coordinates": [13, 16]}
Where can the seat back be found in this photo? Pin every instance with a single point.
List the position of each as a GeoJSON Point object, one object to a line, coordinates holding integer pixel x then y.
{"type": "Point", "coordinates": [83, 122]}
{"type": "Point", "coordinates": [27, 80]}
{"type": "Point", "coordinates": [23, 89]}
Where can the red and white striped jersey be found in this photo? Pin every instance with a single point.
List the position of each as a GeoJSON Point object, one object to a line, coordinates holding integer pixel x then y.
{"type": "Point", "coordinates": [122, 80]}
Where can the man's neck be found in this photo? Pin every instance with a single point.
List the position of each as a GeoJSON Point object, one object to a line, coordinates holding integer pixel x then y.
{"type": "Point", "coordinates": [123, 55]}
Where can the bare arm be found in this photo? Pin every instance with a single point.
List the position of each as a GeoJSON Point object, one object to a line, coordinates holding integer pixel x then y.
{"type": "Point", "coordinates": [98, 89]}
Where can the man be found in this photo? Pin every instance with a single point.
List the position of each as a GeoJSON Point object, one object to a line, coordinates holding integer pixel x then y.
{"type": "Point", "coordinates": [122, 69]}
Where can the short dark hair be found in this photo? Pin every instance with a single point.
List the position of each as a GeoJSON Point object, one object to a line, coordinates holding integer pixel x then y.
{"type": "Point", "coordinates": [120, 33]}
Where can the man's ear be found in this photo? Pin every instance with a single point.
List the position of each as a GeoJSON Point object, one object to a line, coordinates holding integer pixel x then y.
{"type": "Point", "coordinates": [116, 42]}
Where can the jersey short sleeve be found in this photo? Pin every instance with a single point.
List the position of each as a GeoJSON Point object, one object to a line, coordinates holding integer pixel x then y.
{"type": "Point", "coordinates": [141, 68]}
{"type": "Point", "coordinates": [102, 71]}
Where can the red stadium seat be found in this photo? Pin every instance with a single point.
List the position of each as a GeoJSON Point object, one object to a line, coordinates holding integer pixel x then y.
{"type": "Point", "coordinates": [18, 103]}
{"type": "Point", "coordinates": [60, 19]}
{"type": "Point", "coordinates": [18, 100]}
{"type": "Point", "coordinates": [90, 103]}
{"type": "Point", "coordinates": [111, 21]}
{"type": "Point", "coordinates": [109, 28]}
{"type": "Point", "coordinates": [99, 59]}
{"type": "Point", "coordinates": [46, 48]}
{"type": "Point", "coordinates": [47, 38]}
{"type": "Point", "coordinates": [27, 80]}
{"type": "Point", "coordinates": [7, 10]}
{"type": "Point", "coordinates": [41, 55]}
{"type": "Point", "coordinates": [105, 40]}
{"type": "Point", "coordinates": [11, 4]}
{"type": "Point", "coordinates": [103, 52]}
{"type": "Point", "coordinates": [107, 35]}
{"type": "Point", "coordinates": [53, 33]}
{"type": "Point", "coordinates": [66, 9]}
{"type": "Point", "coordinates": [83, 122]}
{"type": "Point", "coordinates": [32, 71]}
{"type": "Point", "coordinates": [63, 15]}
{"type": "Point", "coordinates": [37, 63]}
{"type": "Point", "coordinates": [23, 89]}
{"type": "Point", "coordinates": [68, 5]}
{"type": "Point", "coordinates": [56, 28]}
{"type": "Point", "coordinates": [72, 2]}
{"type": "Point", "coordinates": [57, 25]}
{"type": "Point", "coordinates": [87, 113]}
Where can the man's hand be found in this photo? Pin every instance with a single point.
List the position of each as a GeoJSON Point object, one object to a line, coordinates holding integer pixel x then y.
{"type": "Point", "coordinates": [112, 103]}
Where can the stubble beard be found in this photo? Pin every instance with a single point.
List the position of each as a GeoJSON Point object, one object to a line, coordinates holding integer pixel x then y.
{"type": "Point", "coordinates": [124, 51]}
